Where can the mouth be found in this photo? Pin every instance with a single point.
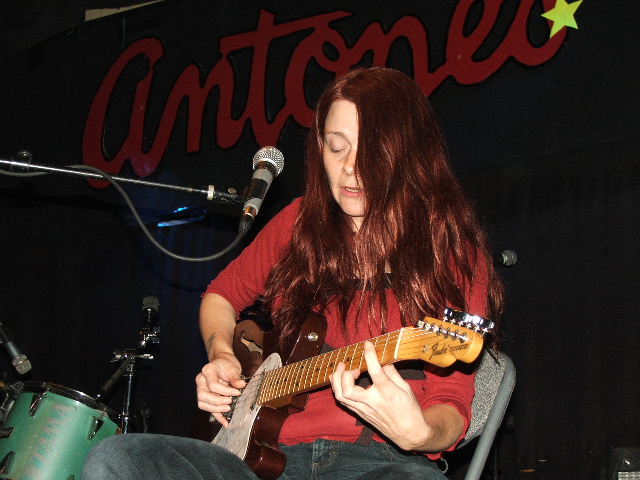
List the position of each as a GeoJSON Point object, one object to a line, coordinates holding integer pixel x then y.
{"type": "Point", "coordinates": [352, 191]}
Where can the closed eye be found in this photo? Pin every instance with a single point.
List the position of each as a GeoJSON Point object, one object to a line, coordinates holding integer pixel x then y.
{"type": "Point", "coordinates": [335, 142]}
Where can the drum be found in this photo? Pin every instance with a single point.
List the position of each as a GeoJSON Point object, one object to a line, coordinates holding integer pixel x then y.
{"type": "Point", "coordinates": [49, 432]}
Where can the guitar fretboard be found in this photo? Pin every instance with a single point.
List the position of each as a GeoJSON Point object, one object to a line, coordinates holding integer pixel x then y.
{"type": "Point", "coordinates": [315, 372]}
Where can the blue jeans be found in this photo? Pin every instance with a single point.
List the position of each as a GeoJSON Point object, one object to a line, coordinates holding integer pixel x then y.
{"type": "Point", "coordinates": [147, 456]}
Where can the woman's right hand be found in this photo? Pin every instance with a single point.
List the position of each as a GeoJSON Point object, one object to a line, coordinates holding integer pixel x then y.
{"type": "Point", "coordinates": [217, 383]}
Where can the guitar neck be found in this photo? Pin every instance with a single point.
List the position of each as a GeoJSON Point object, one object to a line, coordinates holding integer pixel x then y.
{"type": "Point", "coordinates": [439, 342]}
{"type": "Point", "coordinates": [315, 372]}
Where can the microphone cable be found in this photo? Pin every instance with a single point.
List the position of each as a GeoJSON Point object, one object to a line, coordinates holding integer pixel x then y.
{"type": "Point", "coordinates": [112, 181]}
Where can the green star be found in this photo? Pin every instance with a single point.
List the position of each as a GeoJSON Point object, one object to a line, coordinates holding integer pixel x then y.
{"type": "Point", "coordinates": [562, 15]}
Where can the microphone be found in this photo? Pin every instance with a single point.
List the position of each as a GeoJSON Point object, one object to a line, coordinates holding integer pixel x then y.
{"type": "Point", "coordinates": [268, 162]}
{"type": "Point", "coordinates": [149, 333]}
{"type": "Point", "coordinates": [150, 305]}
{"type": "Point", "coordinates": [19, 360]}
{"type": "Point", "coordinates": [506, 258]}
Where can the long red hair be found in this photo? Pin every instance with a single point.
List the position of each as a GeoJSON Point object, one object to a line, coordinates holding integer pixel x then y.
{"type": "Point", "coordinates": [417, 221]}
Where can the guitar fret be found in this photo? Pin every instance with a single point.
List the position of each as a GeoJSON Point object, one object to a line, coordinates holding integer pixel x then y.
{"type": "Point", "coordinates": [308, 375]}
{"type": "Point", "coordinates": [337, 360]}
{"type": "Point", "coordinates": [312, 370]}
{"type": "Point", "coordinates": [302, 375]}
{"type": "Point", "coordinates": [384, 350]}
{"type": "Point", "coordinates": [279, 382]}
{"type": "Point", "coordinates": [320, 369]}
{"type": "Point", "coordinates": [287, 379]}
{"type": "Point", "coordinates": [332, 364]}
{"type": "Point", "coordinates": [400, 333]}
{"type": "Point", "coordinates": [353, 356]}
{"type": "Point", "coordinates": [326, 361]}
{"type": "Point", "coordinates": [283, 381]}
{"type": "Point", "coordinates": [346, 357]}
{"type": "Point", "coordinates": [294, 381]}
{"type": "Point", "coordinates": [297, 374]}
{"type": "Point", "coordinates": [286, 386]}
{"type": "Point", "coordinates": [355, 361]}
{"type": "Point", "coordinates": [273, 385]}
{"type": "Point", "coordinates": [268, 393]}
{"type": "Point", "coordinates": [375, 344]}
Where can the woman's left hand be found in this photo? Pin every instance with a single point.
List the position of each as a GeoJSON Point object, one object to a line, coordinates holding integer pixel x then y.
{"type": "Point", "coordinates": [389, 404]}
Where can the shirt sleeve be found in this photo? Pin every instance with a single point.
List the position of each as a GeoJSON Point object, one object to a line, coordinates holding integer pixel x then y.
{"type": "Point", "coordinates": [456, 386]}
{"type": "Point", "coordinates": [244, 279]}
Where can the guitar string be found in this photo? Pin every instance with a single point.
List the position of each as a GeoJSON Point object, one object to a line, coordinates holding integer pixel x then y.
{"type": "Point", "coordinates": [322, 372]}
{"type": "Point", "coordinates": [251, 393]}
{"type": "Point", "coordinates": [288, 369]}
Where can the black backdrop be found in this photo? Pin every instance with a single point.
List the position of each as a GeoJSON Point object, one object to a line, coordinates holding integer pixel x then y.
{"type": "Point", "coordinates": [549, 151]}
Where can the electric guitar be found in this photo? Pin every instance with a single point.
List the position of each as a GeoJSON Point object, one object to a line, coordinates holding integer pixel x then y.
{"type": "Point", "coordinates": [275, 390]}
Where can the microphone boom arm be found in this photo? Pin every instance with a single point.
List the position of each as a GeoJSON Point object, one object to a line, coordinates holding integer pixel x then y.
{"type": "Point", "coordinates": [242, 230]}
{"type": "Point", "coordinates": [209, 192]}
{"type": "Point", "coordinates": [267, 159]}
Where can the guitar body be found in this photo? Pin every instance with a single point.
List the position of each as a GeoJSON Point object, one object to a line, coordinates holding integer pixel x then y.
{"type": "Point", "coordinates": [254, 430]}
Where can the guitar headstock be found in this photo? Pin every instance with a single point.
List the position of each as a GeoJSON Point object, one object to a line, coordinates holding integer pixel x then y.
{"type": "Point", "coordinates": [459, 336]}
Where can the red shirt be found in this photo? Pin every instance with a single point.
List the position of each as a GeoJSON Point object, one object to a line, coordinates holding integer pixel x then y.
{"type": "Point", "coordinates": [244, 279]}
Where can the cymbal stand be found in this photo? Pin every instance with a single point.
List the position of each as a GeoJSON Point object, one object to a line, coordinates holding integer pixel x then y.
{"type": "Point", "coordinates": [128, 357]}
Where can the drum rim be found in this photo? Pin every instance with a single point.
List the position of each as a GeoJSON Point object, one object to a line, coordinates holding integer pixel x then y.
{"type": "Point", "coordinates": [37, 386]}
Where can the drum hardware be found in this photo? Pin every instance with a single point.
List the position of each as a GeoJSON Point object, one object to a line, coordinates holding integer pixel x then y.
{"type": "Point", "coordinates": [96, 424]}
{"type": "Point", "coordinates": [149, 334]}
{"type": "Point", "coordinates": [47, 430]}
{"type": "Point", "coordinates": [6, 462]}
{"type": "Point", "coordinates": [144, 413]}
{"type": "Point", "coordinates": [12, 392]}
{"type": "Point", "coordinates": [50, 430]}
{"type": "Point", "coordinates": [127, 369]}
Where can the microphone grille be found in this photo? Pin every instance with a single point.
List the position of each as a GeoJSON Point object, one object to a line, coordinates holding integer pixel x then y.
{"type": "Point", "coordinates": [271, 155]}
{"type": "Point", "coordinates": [150, 302]}
{"type": "Point", "coordinates": [509, 258]}
{"type": "Point", "coordinates": [21, 364]}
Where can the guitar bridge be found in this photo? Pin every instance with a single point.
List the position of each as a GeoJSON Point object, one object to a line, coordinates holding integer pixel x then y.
{"type": "Point", "coordinates": [234, 401]}
{"type": "Point", "coordinates": [232, 407]}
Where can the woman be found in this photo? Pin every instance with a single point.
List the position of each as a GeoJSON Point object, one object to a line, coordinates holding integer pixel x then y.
{"type": "Point", "coordinates": [382, 237]}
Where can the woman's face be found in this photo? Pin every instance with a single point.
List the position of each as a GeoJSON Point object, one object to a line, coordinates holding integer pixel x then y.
{"type": "Point", "coordinates": [339, 147]}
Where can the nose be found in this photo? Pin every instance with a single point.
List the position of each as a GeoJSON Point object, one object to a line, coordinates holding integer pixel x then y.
{"type": "Point", "coordinates": [349, 165]}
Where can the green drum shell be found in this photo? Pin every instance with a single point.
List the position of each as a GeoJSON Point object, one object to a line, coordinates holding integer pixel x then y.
{"type": "Point", "coordinates": [50, 440]}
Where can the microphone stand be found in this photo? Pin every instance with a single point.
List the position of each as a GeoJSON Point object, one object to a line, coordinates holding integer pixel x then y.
{"type": "Point", "coordinates": [230, 196]}
{"type": "Point", "coordinates": [87, 171]}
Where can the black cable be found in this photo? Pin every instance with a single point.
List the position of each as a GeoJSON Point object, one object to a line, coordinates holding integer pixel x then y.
{"type": "Point", "coordinates": [106, 176]}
